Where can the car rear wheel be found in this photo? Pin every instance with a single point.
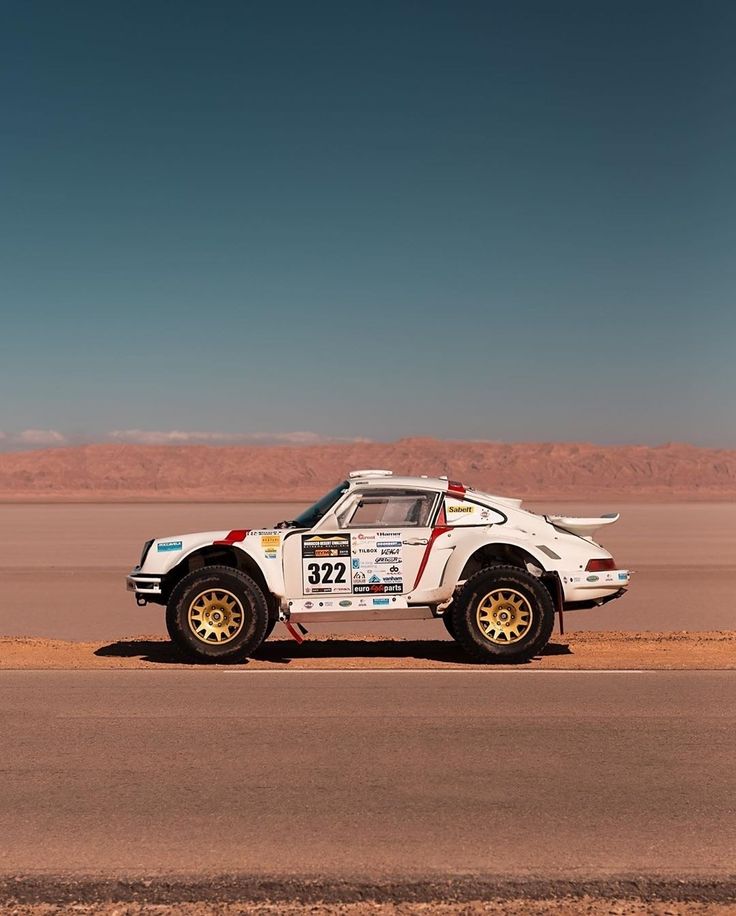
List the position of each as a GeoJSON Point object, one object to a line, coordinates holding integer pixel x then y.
{"type": "Point", "coordinates": [217, 614]}
{"type": "Point", "coordinates": [503, 613]}
{"type": "Point", "coordinates": [449, 620]}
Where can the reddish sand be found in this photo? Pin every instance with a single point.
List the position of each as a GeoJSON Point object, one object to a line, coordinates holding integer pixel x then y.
{"type": "Point", "coordinates": [578, 651]}
{"type": "Point", "coordinates": [124, 472]}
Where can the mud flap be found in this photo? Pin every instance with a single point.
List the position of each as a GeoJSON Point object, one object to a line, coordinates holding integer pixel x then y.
{"type": "Point", "coordinates": [555, 588]}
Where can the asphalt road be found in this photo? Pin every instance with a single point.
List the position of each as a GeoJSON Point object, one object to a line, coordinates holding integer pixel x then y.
{"type": "Point", "coordinates": [368, 773]}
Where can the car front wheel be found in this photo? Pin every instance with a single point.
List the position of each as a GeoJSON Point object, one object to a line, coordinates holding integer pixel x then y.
{"type": "Point", "coordinates": [503, 613]}
{"type": "Point", "coordinates": [217, 614]}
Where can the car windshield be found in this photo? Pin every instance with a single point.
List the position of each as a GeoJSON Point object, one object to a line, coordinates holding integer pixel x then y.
{"type": "Point", "coordinates": [310, 516]}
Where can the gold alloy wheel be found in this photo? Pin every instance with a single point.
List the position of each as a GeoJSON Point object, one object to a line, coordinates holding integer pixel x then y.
{"type": "Point", "coordinates": [216, 616]}
{"type": "Point", "coordinates": [504, 616]}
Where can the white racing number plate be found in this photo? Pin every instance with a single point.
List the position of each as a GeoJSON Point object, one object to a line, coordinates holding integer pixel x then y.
{"type": "Point", "coordinates": [364, 563]}
{"type": "Point", "coordinates": [326, 564]}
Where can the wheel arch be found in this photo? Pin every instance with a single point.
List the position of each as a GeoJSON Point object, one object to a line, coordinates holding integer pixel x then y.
{"type": "Point", "coordinates": [219, 555]}
{"type": "Point", "coordinates": [507, 553]}
{"type": "Point", "coordinates": [498, 552]}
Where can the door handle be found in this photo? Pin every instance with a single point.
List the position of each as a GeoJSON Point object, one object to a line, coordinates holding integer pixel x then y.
{"type": "Point", "coordinates": [414, 542]}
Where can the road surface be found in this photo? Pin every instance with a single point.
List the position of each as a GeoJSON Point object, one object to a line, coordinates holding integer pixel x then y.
{"type": "Point", "coordinates": [368, 773]}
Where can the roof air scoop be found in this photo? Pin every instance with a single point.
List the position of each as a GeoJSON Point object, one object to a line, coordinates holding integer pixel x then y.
{"type": "Point", "coordinates": [371, 472]}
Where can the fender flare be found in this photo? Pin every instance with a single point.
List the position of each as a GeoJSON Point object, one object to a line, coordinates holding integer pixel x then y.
{"type": "Point", "coordinates": [463, 553]}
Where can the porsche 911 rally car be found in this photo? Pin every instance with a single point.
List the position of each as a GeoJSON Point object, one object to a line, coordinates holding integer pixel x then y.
{"type": "Point", "coordinates": [379, 546]}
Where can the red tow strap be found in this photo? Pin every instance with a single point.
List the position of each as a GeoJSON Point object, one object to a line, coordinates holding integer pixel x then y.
{"type": "Point", "coordinates": [296, 635]}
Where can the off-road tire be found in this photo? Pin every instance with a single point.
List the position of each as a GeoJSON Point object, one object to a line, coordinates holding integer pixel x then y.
{"type": "Point", "coordinates": [468, 630]}
{"type": "Point", "coordinates": [449, 620]}
{"type": "Point", "coordinates": [255, 617]}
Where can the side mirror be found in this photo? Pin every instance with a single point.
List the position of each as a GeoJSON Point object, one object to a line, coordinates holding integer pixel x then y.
{"type": "Point", "coordinates": [329, 521]}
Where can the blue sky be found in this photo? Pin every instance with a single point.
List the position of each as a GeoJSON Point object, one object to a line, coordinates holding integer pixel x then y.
{"type": "Point", "coordinates": [294, 221]}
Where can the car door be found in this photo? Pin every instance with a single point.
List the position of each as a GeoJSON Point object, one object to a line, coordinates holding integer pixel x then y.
{"type": "Point", "coordinates": [375, 552]}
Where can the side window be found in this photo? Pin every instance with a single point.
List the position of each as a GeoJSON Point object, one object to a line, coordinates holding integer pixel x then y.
{"type": "Point", "coordinates": [389, 509]}
{"type": "Point", "coordinates": [459, 513]}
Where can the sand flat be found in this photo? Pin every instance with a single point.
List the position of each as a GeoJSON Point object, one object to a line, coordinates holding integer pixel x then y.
{"type": "Point", "coordinates": [62, 566]}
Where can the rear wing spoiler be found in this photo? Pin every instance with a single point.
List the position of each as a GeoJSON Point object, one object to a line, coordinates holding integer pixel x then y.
{"type": "Point", "coordinates": [584, 527]}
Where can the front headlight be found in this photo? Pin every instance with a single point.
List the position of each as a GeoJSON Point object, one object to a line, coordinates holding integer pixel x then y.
{"type": "Point", "coordinates": [146, 548]}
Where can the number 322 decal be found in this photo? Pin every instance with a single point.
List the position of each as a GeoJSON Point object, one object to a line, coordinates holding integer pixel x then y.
{"type": "Point", "coordinates": [326, 573]}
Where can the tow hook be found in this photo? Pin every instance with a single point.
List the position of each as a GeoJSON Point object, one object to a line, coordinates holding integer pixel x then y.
{"type": "Point", "coordinates": [140, 601]}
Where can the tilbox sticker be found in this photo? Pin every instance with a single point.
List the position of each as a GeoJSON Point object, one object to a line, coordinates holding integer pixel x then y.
{"type": "Point", "coordinates": [166, 546]}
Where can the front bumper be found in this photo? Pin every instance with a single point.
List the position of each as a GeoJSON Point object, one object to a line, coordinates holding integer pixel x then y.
{"type": "Point", "coordinates": [145, 586]}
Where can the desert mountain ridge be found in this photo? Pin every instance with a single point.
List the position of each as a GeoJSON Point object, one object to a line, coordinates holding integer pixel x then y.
{"type": "Point", "coordinates": [112, 472]}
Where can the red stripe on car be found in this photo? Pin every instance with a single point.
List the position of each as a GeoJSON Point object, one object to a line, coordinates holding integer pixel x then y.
{"type": "Point", "coordinates": [238, 535]}
{"type": "Point", "coordinates": [436, 532]}
{"type": "Point", "coordinates": [454, 487]}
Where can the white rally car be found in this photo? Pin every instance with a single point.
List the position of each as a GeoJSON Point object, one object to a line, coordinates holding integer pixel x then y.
{"type": "Point", "coordinates": [379, 546]}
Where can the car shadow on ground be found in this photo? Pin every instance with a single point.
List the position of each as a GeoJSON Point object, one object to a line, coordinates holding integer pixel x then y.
{"type": "Point", "coordinates": [284, 651]}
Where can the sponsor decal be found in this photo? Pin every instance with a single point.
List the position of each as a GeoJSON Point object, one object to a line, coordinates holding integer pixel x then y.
{"type": "Point", "coordinates": [379, 588]}
{"type": "Point", "coordinates": [388, 559]}
{"type": "Point", "coordinates": [270, 542]}
{"type": "Point", "coordinates": [393, 569]}
{"type": "Point", "coordinates": [337, 545]}
{"type": "Point", "coordinates": [388, 543]}
{"type": "Point", "coordinates": [374, 579]}
{"type": "Point", "coordinates": [623, 577]}
{"type": "Point", "coordinates": [308, 604]}
{"type": "Point", "coordinates": [356, 563]}
{"type": "Point", "coordinates": [592, 579]}
{"type": "Point", "coordinates": [359, 577]}
{"type": "Point", "coordinates": [346, 604]}
{"type": "Point", "coordinates": [380, 601]}
{"type": "Point", "coordinates": [389, 551]}
{"type": "Point", "coordinates": [460, 512]}
{"type": "Point", "coordinates": [166, 546]}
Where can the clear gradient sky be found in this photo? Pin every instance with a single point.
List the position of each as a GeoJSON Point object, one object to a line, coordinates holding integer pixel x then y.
{"type": "Point", "coordinates": [495, 220]}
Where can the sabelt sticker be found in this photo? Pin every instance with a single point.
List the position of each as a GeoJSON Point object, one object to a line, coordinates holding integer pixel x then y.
{"type": "Point", "coordinates": [461, 512]}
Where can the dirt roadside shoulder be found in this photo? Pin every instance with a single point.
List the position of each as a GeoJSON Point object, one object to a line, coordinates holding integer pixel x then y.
{"type": "Point", "coordinates": [574, 652]}
{"type": "Point", "coordinates": [622, 895]}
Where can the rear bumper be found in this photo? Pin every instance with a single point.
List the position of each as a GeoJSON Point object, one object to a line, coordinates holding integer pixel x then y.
{"type": "Point", "coordinates": [582, 589]}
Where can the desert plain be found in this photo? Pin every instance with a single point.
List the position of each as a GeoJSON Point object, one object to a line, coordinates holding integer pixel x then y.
{"type": "Point", "coordinates": [372, 769]}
